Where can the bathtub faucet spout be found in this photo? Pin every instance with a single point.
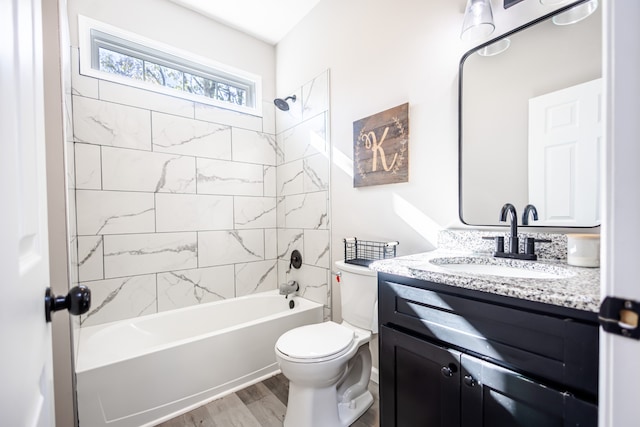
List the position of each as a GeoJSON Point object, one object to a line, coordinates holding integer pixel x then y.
{"type": "Point", "coordinates": [288, 288]}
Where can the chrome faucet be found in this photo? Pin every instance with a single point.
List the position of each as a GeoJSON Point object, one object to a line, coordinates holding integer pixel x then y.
{"type": "Point", "coordinates": [289, 288]}
{"type": "Point", "coordinates": [513, 217]}
{"type": "Point", "coordinates": [529, 210]}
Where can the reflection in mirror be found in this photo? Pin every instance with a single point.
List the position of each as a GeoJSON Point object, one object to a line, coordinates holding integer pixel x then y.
{"type": "Point", "coordinates": [530, 129]}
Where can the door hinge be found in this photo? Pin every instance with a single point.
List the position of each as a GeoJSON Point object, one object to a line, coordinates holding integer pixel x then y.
{"type": "Point", "coordinates": [620, 316]}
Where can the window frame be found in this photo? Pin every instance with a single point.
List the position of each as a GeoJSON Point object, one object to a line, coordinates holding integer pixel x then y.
{"type": "Point", "coordinates": [95, 34]}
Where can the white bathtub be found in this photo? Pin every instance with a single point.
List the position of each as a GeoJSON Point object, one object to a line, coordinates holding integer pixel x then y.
{"type": "Point", "coordinates": [140, 372]}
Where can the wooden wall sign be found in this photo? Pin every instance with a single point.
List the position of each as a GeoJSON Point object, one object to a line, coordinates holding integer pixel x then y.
{"type": "Point", "coordinates": [381, 148]}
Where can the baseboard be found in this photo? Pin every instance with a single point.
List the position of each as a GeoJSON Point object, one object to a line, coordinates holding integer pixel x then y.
{"type": "Point", "coordinates": [374, 375]}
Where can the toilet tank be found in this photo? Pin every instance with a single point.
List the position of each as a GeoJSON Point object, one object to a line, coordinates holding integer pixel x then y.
{"type": "Point", "coordinates": [359, 295]}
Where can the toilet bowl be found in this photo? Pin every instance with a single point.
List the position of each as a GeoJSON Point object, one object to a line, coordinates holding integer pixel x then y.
{"type": "Point", "coordinates": [329, 364]}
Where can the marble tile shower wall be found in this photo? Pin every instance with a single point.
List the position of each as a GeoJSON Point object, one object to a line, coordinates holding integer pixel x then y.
{"type": "Point", "coordinates": [303, 165]}
{"type": "Point", "coordinates": [69, 153]}
{"type": "Point", "coordinates": [176, 202]}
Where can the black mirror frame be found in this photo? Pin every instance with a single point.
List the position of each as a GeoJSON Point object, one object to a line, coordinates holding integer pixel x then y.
{"type": "Point", "coordinates": [460, 74]}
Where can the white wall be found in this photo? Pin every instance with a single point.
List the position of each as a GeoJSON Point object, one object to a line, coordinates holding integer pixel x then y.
{"type": "Point", "coordinates": [381, 55]}
{"type": "Point", "coordinates": [177, 26]}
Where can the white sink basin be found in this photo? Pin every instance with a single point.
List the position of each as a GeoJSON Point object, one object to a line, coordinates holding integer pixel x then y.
{"type": "Point", "coordinates": [493, 267]}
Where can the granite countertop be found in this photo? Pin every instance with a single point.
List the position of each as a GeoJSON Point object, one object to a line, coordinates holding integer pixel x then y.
{"type": "Point", "coordinates": [577, 287]}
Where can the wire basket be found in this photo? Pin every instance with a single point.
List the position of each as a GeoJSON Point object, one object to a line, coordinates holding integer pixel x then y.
{"type": "Point", "coordinates": [364, 252]}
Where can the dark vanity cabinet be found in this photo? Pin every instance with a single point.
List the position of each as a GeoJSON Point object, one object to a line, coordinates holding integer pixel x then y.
{"type": "Point", "coordinates": [452, 357]}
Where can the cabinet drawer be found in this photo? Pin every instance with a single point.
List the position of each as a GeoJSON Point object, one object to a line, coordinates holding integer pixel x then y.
{"type": "Point", "coordinates": [557, 349]}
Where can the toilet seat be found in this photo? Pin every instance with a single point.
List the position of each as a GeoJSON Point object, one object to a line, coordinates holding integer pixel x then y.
{"type": "Point", "coordinates": [317, 342]}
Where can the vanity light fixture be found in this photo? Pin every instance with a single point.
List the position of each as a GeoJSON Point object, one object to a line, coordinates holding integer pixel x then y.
{"type": "Point", "coordinates": [576, 13]}
{"type": "Point", "coordinates": [495, 48]}
{"type": "Point", "coordinates": [478, 20]}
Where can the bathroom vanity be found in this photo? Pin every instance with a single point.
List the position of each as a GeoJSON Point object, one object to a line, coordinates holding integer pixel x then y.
{"type": "Point", "coordinates": [472, 349]}
{"type": "Point", "coordinates": [469, 340]}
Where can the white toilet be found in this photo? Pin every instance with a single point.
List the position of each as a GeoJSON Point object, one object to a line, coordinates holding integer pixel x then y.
{"type": "Point", "coordinates": [329, 364]}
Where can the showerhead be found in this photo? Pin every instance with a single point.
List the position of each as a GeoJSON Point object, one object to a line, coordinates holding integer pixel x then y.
{"type": "Point", "coordinates": [282, 104]}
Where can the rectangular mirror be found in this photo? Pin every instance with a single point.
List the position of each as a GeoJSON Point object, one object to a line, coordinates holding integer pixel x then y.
{"type": "Point", "coordinates": [530, 124]}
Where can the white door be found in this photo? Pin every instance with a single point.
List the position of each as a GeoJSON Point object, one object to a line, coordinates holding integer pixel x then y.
{"type": "Point", "coordinates": [26, 386]}
{"type": "Point", "coordinates": [565, 133]}
{"type": "Point", "coordinates": [620, 357]}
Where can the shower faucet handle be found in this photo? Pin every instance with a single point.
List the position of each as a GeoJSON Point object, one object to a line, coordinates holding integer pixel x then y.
{"type": "Point", "coordinates": [295, 260]}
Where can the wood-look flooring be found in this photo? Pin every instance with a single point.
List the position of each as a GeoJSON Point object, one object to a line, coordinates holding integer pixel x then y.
{"type": "Point", "coordinates": [260, 405]}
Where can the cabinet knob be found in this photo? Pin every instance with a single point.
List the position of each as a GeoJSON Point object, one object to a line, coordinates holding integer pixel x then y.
{"type": "Point", "coordinates": [448, 371]}
{"type": "Point", "coordinates": [469, 381]}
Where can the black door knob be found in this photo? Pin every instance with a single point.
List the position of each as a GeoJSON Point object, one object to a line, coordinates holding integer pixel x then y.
{"type": "Point", "coordinates": [469, 381]}
{"type": "Point", "coordinates": [77, 301]}
{"type": "Point", "coordinates": [448, 371]}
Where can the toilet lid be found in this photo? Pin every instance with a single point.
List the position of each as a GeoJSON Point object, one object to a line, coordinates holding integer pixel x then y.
{"type": "Point", "coordinates": [315, 341]}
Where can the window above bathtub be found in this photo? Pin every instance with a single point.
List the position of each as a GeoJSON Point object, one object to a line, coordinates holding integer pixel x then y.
{"type": "Point", "coordinates": [116, 55]}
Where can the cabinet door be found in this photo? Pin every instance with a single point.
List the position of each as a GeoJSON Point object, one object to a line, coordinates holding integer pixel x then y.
{"type": "Point", "coordinates": [419, 382]}
{"type": "Point", "coordinates": [493, 396]}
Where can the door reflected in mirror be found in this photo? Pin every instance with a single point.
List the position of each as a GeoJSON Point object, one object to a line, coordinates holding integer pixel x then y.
{"type": "Point", "coordinates": [530, 125]}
